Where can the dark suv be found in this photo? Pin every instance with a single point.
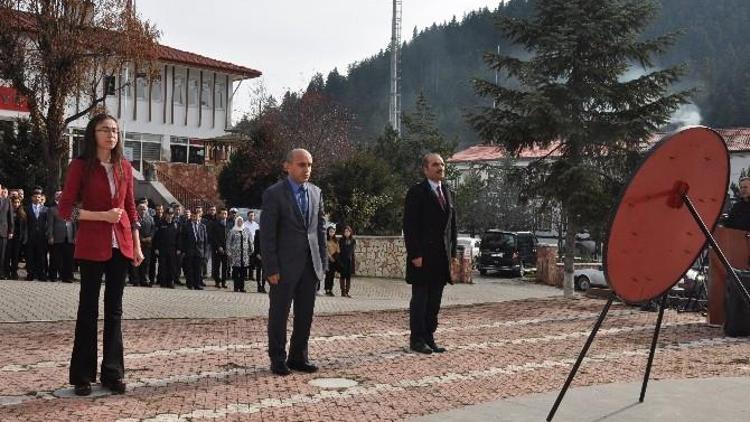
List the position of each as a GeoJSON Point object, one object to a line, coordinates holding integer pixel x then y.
{"type": "Point", "coordinates": [507, 251]}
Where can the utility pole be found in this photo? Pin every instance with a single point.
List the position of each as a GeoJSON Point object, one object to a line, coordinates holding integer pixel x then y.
{"type": "Point", "coordinates": [394, 109]}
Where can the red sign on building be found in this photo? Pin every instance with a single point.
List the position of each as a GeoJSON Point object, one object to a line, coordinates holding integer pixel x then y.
{"type": "Point", "coordinates": [10, 100]}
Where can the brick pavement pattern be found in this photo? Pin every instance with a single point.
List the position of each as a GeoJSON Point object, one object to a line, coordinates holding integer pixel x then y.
{"type": "Point", "coordinates": [202, 370]}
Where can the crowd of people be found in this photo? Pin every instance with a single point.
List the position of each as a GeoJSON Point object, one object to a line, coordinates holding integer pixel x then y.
{"type": "Point", "coordinates": [178, 244]}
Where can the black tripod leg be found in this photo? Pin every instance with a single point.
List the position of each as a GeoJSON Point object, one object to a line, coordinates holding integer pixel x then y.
{"type": "Point", "coordinates": [653, 347]}
{"type": "Point", "coordinates": [580, 358]}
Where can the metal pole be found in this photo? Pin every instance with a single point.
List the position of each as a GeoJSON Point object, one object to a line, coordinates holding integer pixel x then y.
{"type": "Point", "coordinates": [653, 347]}
{"type": "Point", "coordinates": [580, 358]}
{"type": "Point", "coordinates": [717, 249]}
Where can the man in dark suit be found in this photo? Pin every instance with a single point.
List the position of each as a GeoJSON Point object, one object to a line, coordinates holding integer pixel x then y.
{"type": "Point", "coordinates": [7, 218]}
{"type": "Point", "coordinates": [217, 238]}
{"type": "Point", "coordinates": [294, 258]}
{"type": "Point", "coordinates": [430, 237]}
{"type": "Point", "coordinates": [193, 240]}
{"type": "Point", "coordinates": [36, 249]}
{"type": "Point", "coordinates": [62, 240]}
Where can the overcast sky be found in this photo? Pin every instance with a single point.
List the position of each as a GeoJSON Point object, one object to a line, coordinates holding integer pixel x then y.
{"type": "Point", "coordinates": [290, 40]}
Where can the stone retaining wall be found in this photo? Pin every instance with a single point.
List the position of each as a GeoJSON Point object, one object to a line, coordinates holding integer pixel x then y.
{"type": "Point", "coordinates": [381, 256]}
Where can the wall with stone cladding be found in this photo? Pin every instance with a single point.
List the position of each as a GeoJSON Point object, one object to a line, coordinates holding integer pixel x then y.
{"type": "Point", "coordinates": [381, 256]}
{"type": "Point", "coordinates": [200, 179]}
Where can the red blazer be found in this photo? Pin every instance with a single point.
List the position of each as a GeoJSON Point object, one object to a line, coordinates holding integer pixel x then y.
{"type": "Point", "coordinates": [94, 238]}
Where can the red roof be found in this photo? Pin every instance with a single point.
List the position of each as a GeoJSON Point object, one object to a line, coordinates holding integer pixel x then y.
{"type": "Point", "coordinates": [26, 22]}
{"type": "Point", "coordinates": [173, 55]}
{"type": "Point", "coordinates": [737, 139]}
{"type": "Point", "coordinates": [495, 153]}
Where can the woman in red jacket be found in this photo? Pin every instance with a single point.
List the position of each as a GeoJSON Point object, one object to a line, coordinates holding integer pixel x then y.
{"type": "Point", "coordinates": [98, 194]}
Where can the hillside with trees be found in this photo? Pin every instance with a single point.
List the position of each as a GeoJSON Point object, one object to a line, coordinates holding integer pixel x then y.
{"type": "Point", "coordinates": [439, 62]}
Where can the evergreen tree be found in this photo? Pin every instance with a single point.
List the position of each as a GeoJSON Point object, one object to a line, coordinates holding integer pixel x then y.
{"type": "Point", "coordinates": [573, 97]}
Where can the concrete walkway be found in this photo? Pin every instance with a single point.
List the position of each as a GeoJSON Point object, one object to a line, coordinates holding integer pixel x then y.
{"type": "Point", "coordinates": [687, 400]}
{"type": "Point", "coordinates": [37, 301]}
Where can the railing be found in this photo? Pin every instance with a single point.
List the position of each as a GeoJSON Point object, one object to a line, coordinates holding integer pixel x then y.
{"type": "Point", "coordinates": [184, 196]}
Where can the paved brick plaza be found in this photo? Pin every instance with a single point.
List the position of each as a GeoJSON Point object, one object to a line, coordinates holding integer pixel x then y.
{"type": "Point", "coordinates": [201, 369]}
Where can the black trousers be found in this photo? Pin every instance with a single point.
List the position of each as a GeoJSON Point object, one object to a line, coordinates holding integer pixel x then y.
{"type": "Point", "coordinates": [259, 276]}
{"type": "Point", "coordinates": [423, 310]}
{"type": "Point", "coordinates": [239, 275]}
{"type": "Point", "coordinates": [219, 270]}
{"type": "Point", "coordinates": [61, 261]}
{"type": "Point", "coordinates": [167, 267]}
{"type": "Point", "coordinates": [36, 258]}
{"type": "Point", "coordinates": [13, 256]}
{"type": "Point", "coordinates": [83, 360]}
{"type": "Point", "coordinates": [330, 276]}
{"type": "Point", "coordinates": [152, 260]}
{"type": "Point", "coordinates": [281, 295]}
{"type": "Point", "coordinates": [193, 270]}
{"type": "Point", "coordinates": [3, 247]}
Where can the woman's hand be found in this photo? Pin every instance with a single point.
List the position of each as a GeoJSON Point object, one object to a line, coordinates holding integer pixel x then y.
{"type": "Point", "coordinates": [113, 215]}
{"type": "Point", "coordinates": [137, 257]}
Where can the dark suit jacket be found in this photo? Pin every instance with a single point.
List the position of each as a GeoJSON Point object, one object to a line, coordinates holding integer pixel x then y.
{"type": "Point", "coordinates": [189, 244]}
{"type": "Point", "coordinates": [7, 219]}
{"type": "Point", "coordinates": [286, 239]}
{"type": "Point", "coordinates": [430, 233]}
{"type": "Point", "coordinates": [217, 235]}
{"type": "Point", "coordinates": [57, 230]}
{"type": "Point", "coordinates": [37, 227]}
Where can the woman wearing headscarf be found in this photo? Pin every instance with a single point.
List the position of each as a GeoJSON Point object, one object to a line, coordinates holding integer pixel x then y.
{"type": "Point", "coordinates": [239, 248]}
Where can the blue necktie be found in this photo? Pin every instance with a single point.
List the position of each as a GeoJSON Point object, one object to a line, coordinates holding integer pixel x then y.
{"type": "Point", "coordinates": [302, 199]}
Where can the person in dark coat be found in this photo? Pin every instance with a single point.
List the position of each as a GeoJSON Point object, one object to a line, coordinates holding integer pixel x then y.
{"type": "Point", "coordinates": [739, 215]}
{"type": "Point", "coordinates": [260, 277]}
{"type": "Point", "coordinates": [165, 245]}
{"type": "Point", "coordinates": [192, 246]}
{"type": "Point", "coordinates": [158, 219]}
{"type": "Point", "coordinates": [62, 240]}
{"type": "Point", "coordinates": [294, 260]}
{"type": "Point", "coordinates": [18, 241]}
{"type": "Point", "coordinates": [347, 246]}
{"type": "Point", "coordinates": [7, 221]}
{"type": "Point", "coordinates": [217, 238]}
{"type": "Point", "coordinates": [36, 245]}
{"type": "Point", "coordinates": [430, 235]}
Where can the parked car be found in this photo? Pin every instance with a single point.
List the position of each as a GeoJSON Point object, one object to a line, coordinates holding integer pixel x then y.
{"type": "Point", "coordinates": [507, 252]}
{"type": "Point", "coordinates": [586, 278]}
{"type": "Point", "coordinates": [471, 244]}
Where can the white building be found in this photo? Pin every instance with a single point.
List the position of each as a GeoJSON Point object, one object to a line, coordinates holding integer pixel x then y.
{"type": "Point", "coordinates": [164, 119]}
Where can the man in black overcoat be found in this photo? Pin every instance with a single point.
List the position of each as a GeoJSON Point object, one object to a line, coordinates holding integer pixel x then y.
{"type": "Point", "coordinates": [430, 237]}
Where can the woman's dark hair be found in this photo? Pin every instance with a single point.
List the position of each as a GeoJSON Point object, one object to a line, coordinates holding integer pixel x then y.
{"type": "Point", "coordinates": [20, 212]}
{"type": "Point", "coordinates": [89, 145]}
{"type": "Point", "coordinates": [351, 230]}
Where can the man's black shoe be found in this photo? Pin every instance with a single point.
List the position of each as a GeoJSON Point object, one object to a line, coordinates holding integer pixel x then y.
{"type": "Point", "coordinates": [280, 369]}
{"type": "Point", "coordinates": [198, 288]}
{"type": "Point", "coordinates": [82, 389]}
{"type": "Point", "coordinates": [116, 386]}
{"type": "Point", "coordinates": [302, 367]}
{"type": "Point", "coordinates": [435, 348]}
{"type": "Point", "coordinates": [420, 348]}
{"type": "Point", "coordinates": [67, 281]}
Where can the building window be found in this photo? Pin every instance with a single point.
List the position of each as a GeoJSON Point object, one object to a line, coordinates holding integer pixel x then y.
{"type": "Point", "coordinates": [185, 151]}
{"type": "Point", "coordinates": [109, 85]}
{"type": "Point", "coordinates": [206, 100]}
{"type": "Point", "coordinates": [193, 92]}
{"type": "Point", "coordinates": [179, 89]}
{"type": "Point", "coordinates": [141, 84]}
{"type": "Point", "coordinates": [220, 88]}
{"type": "Point", "coordinates": [156, 89]}
{"type": "Point", "coordinates": [196, 153]}
{"type": "Point", "coordinates": [141, 147]}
